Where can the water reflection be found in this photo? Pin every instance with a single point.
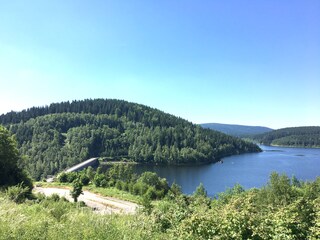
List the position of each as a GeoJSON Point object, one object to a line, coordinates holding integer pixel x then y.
{"type": "Point", "coordinates": [249, 170]}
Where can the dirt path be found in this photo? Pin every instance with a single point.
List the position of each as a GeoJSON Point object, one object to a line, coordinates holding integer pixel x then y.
{"type": "Point", "coordinates": [103, 205]}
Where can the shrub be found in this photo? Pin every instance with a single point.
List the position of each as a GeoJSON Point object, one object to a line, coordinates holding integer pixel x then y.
{"type": "Point", "coordinates": [140, 188]}
{"type": "Point", "coordinates": [54, 197]}
{"type": "Point", "coordinates": [18, 193]}
{"type": "Point", "coordinates": [200, 191]}
{"type": "Point", "coordinates": [58, 210]}
{"type": "Point", "coordinates": [118, 185]}
{"type": "Point", "coordinates": [151, 193]}
{"type": "Point", "coordinates": [98, 180]}
{"type": "Point", "coordinates": [76, 190]}
{"type": "Point", "coordinates": [84, 180]}
{"type": "Point", "coordinates": [63, 178]}
{"type": "Point", "coordinates": [72, 176]}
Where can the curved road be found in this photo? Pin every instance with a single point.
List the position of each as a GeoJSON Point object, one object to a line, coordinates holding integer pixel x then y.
{"type": "Point", "coordinates": [102, 205]}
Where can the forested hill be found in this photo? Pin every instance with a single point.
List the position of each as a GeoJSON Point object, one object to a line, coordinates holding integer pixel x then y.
{"type": "Point", "coordinates": [57, 136]}
{"type": "Point", "coordinates": [236, 130]}
{"type": "Point", "coordinates": [293, 137]}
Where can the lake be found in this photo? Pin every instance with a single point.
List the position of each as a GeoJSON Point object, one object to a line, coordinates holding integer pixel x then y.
{"type": "Point", "coordinates": [249, 170]}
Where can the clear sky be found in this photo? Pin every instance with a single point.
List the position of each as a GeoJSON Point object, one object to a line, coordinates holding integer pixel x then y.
{"type": "Point", "coordinates": [242, 62]}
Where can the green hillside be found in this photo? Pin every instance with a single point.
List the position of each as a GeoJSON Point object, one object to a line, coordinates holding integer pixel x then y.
{"type": "Point", "coordinates": [236, 130]}
{"type": "Point", "coordinates": [293, 137]}
{"type": "Point", "coordinates": [60, 135]}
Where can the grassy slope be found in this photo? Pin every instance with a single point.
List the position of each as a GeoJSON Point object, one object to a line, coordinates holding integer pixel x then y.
{"type": "Point", "coordinates": [63, 220]}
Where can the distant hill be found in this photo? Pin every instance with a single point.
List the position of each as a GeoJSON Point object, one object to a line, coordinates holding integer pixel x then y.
{"type": "Point", "coordinates": [236, 130]}
{"type": "Point", "coordinates": [292, 137]}
{"type": "Point", "coordinates": [63, 134]}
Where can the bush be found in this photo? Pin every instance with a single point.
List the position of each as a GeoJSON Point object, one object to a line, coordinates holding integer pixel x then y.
{"type": "Point", "coordinates": [84, 180]}
{"type": "Point", "coordinates": [140, 188]}
{"type": "Point", "coordinates": [58, 210]}
{"type": "Point", "coordinates": [98, 180]}
{"type": "Point", "coordinates": [18, 193]}
{"type": "Point", "coordinates": [200, 191]}
{"type": "Point", "coordinates": [125, 186]}
{"type": "Point", "coordinates": [54, 197]}
{"type": "Point", "coordinates": [146, 203]}
{"type": "Point", "coordinates": [63, 178]}
{"type": "Point", "coordinates": [76, 190]}
{"type": "Point", "coordinates": [151, 193]}
{"type": "Point", "coordinates": [72, 176]}
{"type": "Point", "coordinates": [118, 185]}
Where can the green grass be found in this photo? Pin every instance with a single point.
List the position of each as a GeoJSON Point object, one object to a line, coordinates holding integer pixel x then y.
{"type": "Point", "coordinates": [114, 192]}
{"type": "Point", "coordinates": [63, 220]}
{"type": "Point", "coordinates": [53, 184]}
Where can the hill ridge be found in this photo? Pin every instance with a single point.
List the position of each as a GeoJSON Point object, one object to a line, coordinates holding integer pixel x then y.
{"type": "Point", "coordinates": [306, 136]}
{"type": "Point", "coordinates": [236, 130]}
{"type": "Point", "coordinates": [60, 135]}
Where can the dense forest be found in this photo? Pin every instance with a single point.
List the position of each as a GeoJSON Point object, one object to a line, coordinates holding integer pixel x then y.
{"type": "Point", "coordinates": [241, 131]}
{"type": "Point", "coordinates": [284, 209]}
{"type": "Point", "coordinates": [54, 137]}
{"type": "Point", "coordinates": [293, 137]}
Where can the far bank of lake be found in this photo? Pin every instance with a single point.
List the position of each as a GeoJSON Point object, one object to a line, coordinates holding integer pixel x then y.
{"type": "Point", "coordinates": [249, 170]}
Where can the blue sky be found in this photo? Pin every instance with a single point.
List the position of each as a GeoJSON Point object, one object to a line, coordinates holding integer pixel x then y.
{"type": "Point", "coordinates": [241, 62]}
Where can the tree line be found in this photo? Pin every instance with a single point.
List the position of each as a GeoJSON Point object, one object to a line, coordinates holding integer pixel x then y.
{"type": "Point", "coordinates": [296, 137]}
{"type": "Point", "coordinates": [121, 176]}
{"type": "Point", "coordinates": [50, 139]}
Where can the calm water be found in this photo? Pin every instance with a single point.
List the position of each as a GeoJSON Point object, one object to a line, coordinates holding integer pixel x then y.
{"type": "Point", "coordinates": [249, 170]}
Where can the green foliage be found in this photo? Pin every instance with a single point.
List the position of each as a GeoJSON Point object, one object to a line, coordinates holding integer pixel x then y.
{"type": "Point", "coordinates": [146, 204]}
{"type": "Point", "coordinates": [62, 220]}
{"type": "Point", "coordinates": [61, 135]}
{"type": "Point", "coordinates": [70, 177]}
{"type": "Point", "coordinates": [122, 178]}
{"type": "Point", "coordinates": [54, 197]}
{"type": "Point", "coordinates": [63, 177]}
{"type": "Point", "coordinates": [84, 179]}
{"type": "Point", "coordinates": [295, 137]}
{"type": "Point", "coordinates": [90, 173]}
{"type": "Point", "coordinates": [153, 186]}
{"type": "Point", "coordinates": [114, 192]}
{"type": "Point", "coordinates": [18, 193]}
{"type": "Point", "coordinates": [100, 180]}
{"type": "Point", "coordinates": [120, 171]}
{"type": "Point", "coordinates": [236, 214]}
{"type": "Point", "coordinates": [295, 181]}
{"type": "Point", "coordinates": [200, 191]}
{"type": "Point", "coordinates": [76, 190]}
{"type": "Point", "coordinates": [11, 173]}
{"type": "Point", "coordinates": [279, 190]}
{"type": "Point", "coordinates": [281, 210]}
{"type": "Point", "coordinates": [226, 196]}
{"type": "Point", "coordinates": [175, 190]}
